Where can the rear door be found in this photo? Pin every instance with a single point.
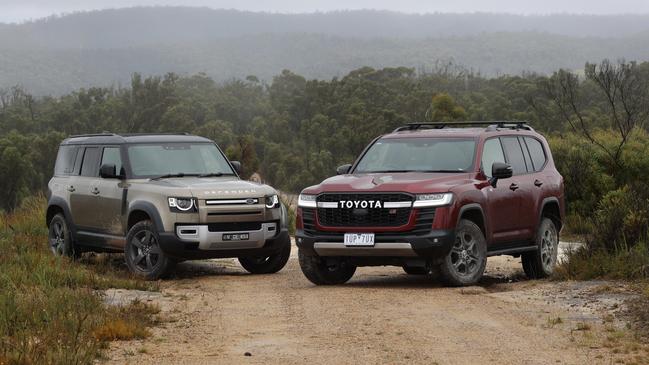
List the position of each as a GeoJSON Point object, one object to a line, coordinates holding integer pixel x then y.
{"type": "Point", "coordinates": [503, 204]}
{"type": "Point", "coordinates": [518, 189]}
{"type": "Point", "coordinates": [536, 180]}
{"type": "Point", "coordinates": [83, 200]}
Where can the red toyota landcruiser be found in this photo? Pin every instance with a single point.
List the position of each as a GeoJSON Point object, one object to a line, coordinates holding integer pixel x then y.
{"type": "Point", "coordinates": [436, 197]}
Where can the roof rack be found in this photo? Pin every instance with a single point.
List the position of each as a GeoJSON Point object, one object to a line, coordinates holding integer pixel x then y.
{"type": "Point", "coordinates": [492, 125]}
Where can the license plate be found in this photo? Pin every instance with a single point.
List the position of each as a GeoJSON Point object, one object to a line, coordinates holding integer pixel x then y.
{"type": "Point", "coordinates": [236, 236]}
{"type": "Point", "coordinates": [359, 239]}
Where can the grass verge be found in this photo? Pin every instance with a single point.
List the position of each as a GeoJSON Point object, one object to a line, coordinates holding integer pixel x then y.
{"type": "Point", "coordinates": [50, 310]}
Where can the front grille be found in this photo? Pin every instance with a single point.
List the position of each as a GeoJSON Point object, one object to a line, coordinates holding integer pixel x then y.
{"type": "Point", "coordinates": [423, 225]}
{"type": "Point", "coordinates": [234, 226]}
{"type": "Point", "coordinates": [370, 217]}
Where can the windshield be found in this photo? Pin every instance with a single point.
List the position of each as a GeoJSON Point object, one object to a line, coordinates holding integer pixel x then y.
{"type": "Point", "coordinates": [418, 154]}
{"type": "Point", "coordinates": [151, 160]}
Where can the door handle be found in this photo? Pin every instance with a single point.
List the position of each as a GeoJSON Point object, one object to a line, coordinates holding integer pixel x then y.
{"type": "Point", "coordinates": [71, 188]}
{"type": "Point", "coordinates": [513, 186]}
{"type": "Point", "coordinates": [538, 183]}
{"type": "Point", "coordinates": [95, 191]}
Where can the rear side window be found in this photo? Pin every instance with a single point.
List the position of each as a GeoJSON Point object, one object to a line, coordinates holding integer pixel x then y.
{"type": "Point", "coordinates": [536, 151]}
{"type": "Point", "coordinates": [65, 160]}
{"type": "Point", "coordinates": [491, 152]}
{"type": "Point", "coordinates": [112, 155]}
{"type": "Point", "coordinates": [90, 164]}
{"type": "Point", "coordinates": [514, 155]}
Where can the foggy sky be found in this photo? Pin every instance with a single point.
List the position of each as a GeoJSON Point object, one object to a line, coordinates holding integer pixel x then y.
{"type": "Point", "coordinates": [21, 10]}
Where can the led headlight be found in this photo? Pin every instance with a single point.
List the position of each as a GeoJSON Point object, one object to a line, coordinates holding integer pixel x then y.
{"type": "Point", "coordinates": [306, 201]}
{"type": "Point", "coordinates": [182, 204]}
{"type": "Point", "coordinates": [272, 202]}
{"type": "Point", "coordinates": [433, 200]}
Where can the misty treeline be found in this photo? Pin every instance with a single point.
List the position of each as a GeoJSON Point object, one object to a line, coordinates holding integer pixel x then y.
{"type": "Point", "coordinates": [57, 55]}
{"type": "Point", "coordinates": [295, 131]}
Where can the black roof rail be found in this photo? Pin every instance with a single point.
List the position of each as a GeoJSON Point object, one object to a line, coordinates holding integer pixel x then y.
{"type": "Point", "coordinates": [110, 134]}
{"type": "Point", "coordinates": [104, 134]}
{"type": "Point", "coordinates": [439, 125]}
{"type": "Point", "coordinates": [155, 134]}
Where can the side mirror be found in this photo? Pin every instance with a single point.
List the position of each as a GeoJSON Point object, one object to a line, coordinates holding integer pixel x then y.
{"type": "Point", "coordinates": [500, 170]}
{"type": "Point", "coordinates": [343, 169]}
{"type": "Point", "coordinates": [237, 166]}
{"type": "Point", "coordinates": [108, 171]}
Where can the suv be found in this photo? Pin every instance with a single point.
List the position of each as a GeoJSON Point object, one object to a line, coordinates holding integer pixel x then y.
{"type": "Point", "coordinates": [432, 198]}
{"type": "Point", "coordinates": [162, 199]}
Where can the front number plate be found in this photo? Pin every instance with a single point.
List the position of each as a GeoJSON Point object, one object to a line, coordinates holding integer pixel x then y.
{"type": "Point", "coordinates": [359, 239]}
{"type": "Point", "coordinates": [236, 236]}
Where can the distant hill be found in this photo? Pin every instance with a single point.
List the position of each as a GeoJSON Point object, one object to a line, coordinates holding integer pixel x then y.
{"type": "Point", "coordinates": [58, 54]}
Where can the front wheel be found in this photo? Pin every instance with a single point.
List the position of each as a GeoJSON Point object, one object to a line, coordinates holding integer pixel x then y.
{"type": "Point", "coordinates": [267, 264]}
{"type": "Point", "coordinates": [144, 257]}
{"type": "Point", "coordinates": [325, 272]}
{"type": "Point", "coordinates": [540, 263]}
{"type": "Point", "coordinates": [466, 262]}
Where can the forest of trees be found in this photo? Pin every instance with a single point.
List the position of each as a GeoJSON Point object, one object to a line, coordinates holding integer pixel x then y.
{"type": "Point", "coordinates": [58, 55]}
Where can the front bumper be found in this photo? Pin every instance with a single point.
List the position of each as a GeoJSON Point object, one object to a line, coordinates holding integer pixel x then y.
{"type": "Point", "coordinates": [433, 245]}
{"type": "Point", "coordinates": [204, 244]}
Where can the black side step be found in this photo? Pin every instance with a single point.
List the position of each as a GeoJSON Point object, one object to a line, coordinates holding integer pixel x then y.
{"type": "Point", "coordinates": [512, 251]}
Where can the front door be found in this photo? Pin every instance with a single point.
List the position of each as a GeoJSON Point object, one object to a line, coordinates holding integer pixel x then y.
{"type": "Point", "coordinates": [110, 195]}
{"type": "Point", "coordinates": [503, 201]}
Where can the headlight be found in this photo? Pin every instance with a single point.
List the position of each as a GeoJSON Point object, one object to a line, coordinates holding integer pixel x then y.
{"type": "Point", "coordinates": [433, 200]}
{"type": "Point", "coordinates": [272, 201]}
{"type": "Point", "coordinates": [306, 201]}
{"type": "Point", "coordinates": [182, 205]}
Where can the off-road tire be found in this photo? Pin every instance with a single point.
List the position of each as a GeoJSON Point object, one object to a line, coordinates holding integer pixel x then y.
{"type": "Point", "coordinates": [466, 262]}
{"type": "Point", "coordinates": [143, 254]}
{"type": "Point", "coordinates": [269, 264]}
{"type": "Point", "coordinates": [541, 263]}
{"type": "Point", "coordinates": [60, 239]}
{"type": "Point", "coordinates": [318, 272]}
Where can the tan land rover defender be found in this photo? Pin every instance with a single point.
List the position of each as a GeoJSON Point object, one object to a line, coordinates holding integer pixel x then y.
{"type": "Point", "coordinates": [161, 199]}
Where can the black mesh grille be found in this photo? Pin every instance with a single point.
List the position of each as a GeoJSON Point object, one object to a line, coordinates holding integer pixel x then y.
{"type": "Point", "coordinates": [423, 224]}
{"type": "Point", "coordinates": [369, 217]}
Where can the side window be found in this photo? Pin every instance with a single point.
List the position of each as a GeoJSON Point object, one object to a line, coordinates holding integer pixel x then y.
{"type": "Point", "coordinates": [536, 151]}
{"type": "Point", "coordinates": [65, 160]}
{"type": "Point", "coordinates": [491, 152]}
{"type": "Point", "coordinates": [90, 164]}
{"type": "Point", "coordinates": [514, 155]}
{"type": "Point", "coordinates": [112, 155]}
{"type": "Point", "coordinates": [526, 155]}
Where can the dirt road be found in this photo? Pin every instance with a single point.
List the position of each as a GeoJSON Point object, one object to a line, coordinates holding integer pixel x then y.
{"type": "Point", "coordinates": [217, 314]}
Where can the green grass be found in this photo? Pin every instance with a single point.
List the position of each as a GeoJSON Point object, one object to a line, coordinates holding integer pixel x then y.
{"type": "Point", "coordinates": [50, 310]}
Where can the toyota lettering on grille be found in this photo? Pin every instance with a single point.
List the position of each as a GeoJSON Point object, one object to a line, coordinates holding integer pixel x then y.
{"type": "Point", "coordinates": [364, 204]}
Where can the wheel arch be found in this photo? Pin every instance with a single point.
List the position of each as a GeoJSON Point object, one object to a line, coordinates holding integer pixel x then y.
{"type": "Point", "coordinates": [142, 210]}
{"type": "Point", "coordinates": [551, 208]}
{"type": "Point", "coordinates": [475, 214]}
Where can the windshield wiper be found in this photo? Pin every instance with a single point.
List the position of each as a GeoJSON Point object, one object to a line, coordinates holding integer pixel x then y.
{"type": "Point", "coordinates": [215, 174]}
{"type": "Point", "coordinates": [444, 171]}
{"type": "Point", "coordinates": [166, 176]}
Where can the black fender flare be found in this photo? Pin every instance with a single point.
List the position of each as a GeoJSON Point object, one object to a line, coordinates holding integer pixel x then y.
{"type": "Point", "coordinates": [59, 202]}
{"type": "Point", "coordinates": [149, 209]}
{"type": "Point", "coordinates": [478, 207]}
{"type": "Point", "coordinates": [544, 203]}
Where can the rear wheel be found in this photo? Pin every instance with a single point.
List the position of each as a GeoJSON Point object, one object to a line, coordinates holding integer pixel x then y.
{"type": "Point", "coordinates": [325, 272]}
{"type": "Point", "coordinates": [465, 263]}
{"type": "Point", "coordinates": [540, 263]}
{"type": "Point", "coordinates": [267, 264]}
{"type": "Point", "coordinates": [60, 239]}
{"type": "Point", "coordinates": [143, 254]}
